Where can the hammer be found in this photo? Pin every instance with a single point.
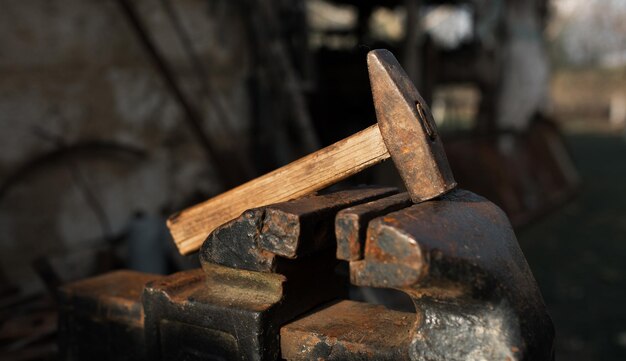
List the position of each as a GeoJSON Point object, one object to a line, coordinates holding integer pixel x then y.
{"type": "Point", "coordinates": [406, 132]}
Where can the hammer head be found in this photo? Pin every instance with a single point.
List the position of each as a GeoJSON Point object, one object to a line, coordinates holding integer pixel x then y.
{"type": "Point", "coordinates": [408, 129]}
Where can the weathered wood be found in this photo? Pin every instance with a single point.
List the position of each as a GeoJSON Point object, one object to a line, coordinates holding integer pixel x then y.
{"type": "Point", "coordinates": [351, 224]}
{"type": "Point", "coordinates": [313, 172]}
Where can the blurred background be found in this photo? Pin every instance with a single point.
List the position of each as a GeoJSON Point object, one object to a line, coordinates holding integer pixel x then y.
{"type": "Point", "coordinates": [117, 113]}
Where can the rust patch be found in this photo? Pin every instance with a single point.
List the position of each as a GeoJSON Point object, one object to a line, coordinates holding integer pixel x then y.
{"type": "Point", "coordinates": [349, 330]}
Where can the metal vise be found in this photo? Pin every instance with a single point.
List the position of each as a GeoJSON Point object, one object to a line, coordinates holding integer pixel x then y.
{"type": "Point", "coordinates": [268, 288]}
{"type": "Point", "coordinates": [458, 260]}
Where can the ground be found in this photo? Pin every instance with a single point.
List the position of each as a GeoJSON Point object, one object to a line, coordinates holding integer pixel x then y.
{"type": "Point", "coordinates": [577, 253]}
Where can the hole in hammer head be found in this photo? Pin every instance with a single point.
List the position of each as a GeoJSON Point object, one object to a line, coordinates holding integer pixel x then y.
{"type": "Point", "coordinates": [426, 121]}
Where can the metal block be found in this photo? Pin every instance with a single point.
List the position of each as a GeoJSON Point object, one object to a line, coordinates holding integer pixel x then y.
{"type": "Point", "coordinates": [233, 314]}
{"type": "Point", "coordinates": [351, 224]}
{"type": "Point", "coordinates": [349, 330]}
{"type": "Point", "coordinates": [101, 318]}
{"type": "Point", "coordinates": [291, 229]}
{"type": "Point", "coordinates": [302, 226]}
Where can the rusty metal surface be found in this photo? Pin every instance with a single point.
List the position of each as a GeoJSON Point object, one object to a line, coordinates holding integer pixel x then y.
{"type": "Point", "coordinates": [351, 224]}
{"type": "Point", "coordinates": [101, 318]}
{"type": "Point", "coordinates": [226, 313]}
{"type": "Point", "coordinates": [236, 244]}
{"type": "Point", "coordinates": [113, 295]}
{"type": "Point", "coordinates": [290, 229]}
{"type": "Point", "coordinates": [349, 330]}
{"type": "Point", "coordinates": [458, 259]}
{"type": "Point", "coordinates": [191, 315]}
{"type": "Point", "coordinates": [299, 227]}
{"type": "Point", "coordinates": [408, 129]}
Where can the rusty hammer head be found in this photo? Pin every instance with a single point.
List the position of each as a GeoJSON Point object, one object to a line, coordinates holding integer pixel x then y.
{"type": "Point", "coordinates": [408, 129]}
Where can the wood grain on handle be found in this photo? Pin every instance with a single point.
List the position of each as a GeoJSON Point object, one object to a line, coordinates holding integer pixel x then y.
{"type": "Point", "coordinates": [311, 173]}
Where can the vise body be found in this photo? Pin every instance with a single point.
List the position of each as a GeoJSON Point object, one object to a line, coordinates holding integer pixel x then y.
{"type": "Point", "coordinates": [269, 288]}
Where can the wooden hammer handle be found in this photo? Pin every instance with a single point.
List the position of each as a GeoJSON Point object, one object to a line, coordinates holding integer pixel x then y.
{"type": "Point", "coordinates": [311, 173]}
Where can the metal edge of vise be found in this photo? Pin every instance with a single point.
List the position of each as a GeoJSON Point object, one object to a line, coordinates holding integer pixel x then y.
{"type": "Point", "coordinates": [268, 288]}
